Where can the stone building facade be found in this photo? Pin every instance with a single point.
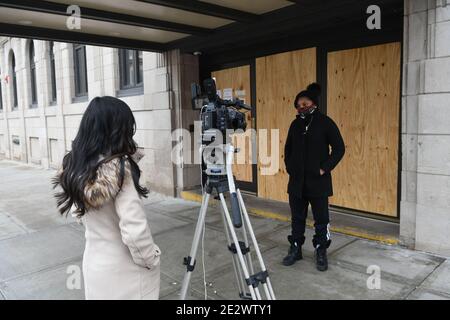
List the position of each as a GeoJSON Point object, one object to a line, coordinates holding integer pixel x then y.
{"type": "Point", "coordinates": [40, 132]}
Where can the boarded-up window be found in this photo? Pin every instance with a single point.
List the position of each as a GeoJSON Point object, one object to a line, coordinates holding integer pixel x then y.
{"type": "Point", "coordinates": [364, 101]}
{"type": "Point", "coordinates": [279, 78]}
{"type": "Point", "coordinates": [235, 83]}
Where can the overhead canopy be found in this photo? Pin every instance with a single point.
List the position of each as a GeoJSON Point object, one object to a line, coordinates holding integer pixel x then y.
{"type": "Point", "coordinates": [190, 25]}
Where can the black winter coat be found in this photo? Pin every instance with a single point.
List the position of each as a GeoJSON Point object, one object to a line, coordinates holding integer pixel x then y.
{"type": "Point", "coordinates": [306, 153]}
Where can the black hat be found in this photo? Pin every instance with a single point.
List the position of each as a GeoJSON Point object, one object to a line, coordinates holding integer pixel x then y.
{"type": "Point", "coordinates": [312, 92]}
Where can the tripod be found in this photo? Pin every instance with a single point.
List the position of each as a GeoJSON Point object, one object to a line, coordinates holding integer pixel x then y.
{"type": "Point", "coordinates": [221, 179]}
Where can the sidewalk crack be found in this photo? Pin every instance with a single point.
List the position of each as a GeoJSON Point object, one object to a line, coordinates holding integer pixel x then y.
{"type": "Point", "coordinates": [424, 279]}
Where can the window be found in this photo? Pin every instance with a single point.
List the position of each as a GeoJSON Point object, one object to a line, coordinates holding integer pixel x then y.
{"type": "Point", "coordinates": [12, 72]}
{"type": "Point", "coordinates": [79, 62]}
{"type": "Point", "coordinates": [52, 73]}
{"type": "Point", "coordinates": [130, 68]}
{"type": "Point", "coordinates": [32, 75]}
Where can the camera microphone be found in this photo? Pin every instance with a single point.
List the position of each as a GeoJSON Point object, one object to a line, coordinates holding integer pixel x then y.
{"type": "Point", "coordinates": [210, 89]}
{"type": "Point", "coordinates": [237, 103]}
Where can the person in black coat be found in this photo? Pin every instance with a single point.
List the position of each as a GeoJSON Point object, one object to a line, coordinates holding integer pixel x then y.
{"type": "Point", "coordinates": [309, 162]}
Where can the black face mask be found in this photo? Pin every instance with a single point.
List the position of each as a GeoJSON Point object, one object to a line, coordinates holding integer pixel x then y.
{"type": "Point", "coordinates": [307, 111]}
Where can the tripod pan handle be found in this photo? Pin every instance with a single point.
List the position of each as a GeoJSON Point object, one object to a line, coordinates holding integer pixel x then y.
{"type": "Point", "coordinates": [235, 211]}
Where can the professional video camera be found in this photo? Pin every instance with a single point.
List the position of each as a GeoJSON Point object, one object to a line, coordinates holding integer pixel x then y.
{"type": "Point", "coordinates": [216, 113]}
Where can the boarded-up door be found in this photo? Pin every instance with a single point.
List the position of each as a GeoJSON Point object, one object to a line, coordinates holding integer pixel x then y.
{"type": "Point", "coordinates": [279, 78]}
{"type": "Point", "coordinates": [235, 83]}
{"type": "Point", "coordinates": [363, 100]}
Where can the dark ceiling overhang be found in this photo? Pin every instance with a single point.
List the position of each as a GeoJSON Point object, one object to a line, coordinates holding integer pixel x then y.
{"type": "Point", "coordinates": [208, 26]}
{"type": "Point", "coordinates": [207, 9]}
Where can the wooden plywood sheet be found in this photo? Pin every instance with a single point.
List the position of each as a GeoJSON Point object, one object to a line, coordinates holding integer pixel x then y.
{"type": "Point", "coordinates": [363, 100]}
{"type": "Point", "coordinates": [237, 80]}
{"type": "Point", "coordinates": [279, 78]}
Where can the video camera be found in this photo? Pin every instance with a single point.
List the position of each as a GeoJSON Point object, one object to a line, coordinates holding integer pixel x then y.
{"type": "Point", "coordinates": [216, 113]}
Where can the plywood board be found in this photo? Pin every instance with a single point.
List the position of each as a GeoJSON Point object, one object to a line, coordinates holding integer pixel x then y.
{"type": "Point", "coordinates": [279, 78]}
{"type": "Point", "coordinates": [363, 100]}
{"type": "Point", "coordinates": [237, 80]}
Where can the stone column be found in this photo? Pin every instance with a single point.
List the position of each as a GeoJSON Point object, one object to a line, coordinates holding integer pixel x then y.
{"type": "Point", "coordinates": [154, 124]}
{"type": "Point", "coordinates": [167, 107]}
{"type": "Point", "coordinates": [425, 198]}
{"type": "Point", "coordinates": [184, 70]}
{"type": "Point", "coordinates": [4, 131]}
{"type": "Point", "coordinates": [188, 74]}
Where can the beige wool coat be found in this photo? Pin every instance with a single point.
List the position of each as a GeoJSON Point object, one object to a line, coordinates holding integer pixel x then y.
{"type": "Point", "coordinates": [121, 260]}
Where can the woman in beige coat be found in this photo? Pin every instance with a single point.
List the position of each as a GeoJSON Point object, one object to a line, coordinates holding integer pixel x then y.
{"type": "Point", "coordinates": [100, 183]}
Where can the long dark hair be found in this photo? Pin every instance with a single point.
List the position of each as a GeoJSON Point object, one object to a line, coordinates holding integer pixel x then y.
{"type": "Point", "coordinates": [107, 128]}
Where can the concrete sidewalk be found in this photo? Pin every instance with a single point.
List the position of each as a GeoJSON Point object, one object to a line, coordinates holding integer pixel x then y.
{"type": "Point", "coordinates": [37, 246]}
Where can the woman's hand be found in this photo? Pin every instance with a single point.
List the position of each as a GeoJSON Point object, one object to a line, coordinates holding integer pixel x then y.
{"type": "Point", "coordinates": [322, 172]}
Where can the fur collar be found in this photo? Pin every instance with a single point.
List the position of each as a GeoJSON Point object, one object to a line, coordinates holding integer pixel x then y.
{"type": "Point", "coordinates": [106, 184]}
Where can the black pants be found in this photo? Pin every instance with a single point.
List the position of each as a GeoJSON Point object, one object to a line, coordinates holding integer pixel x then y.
{"type": "Point", "coordinates": [299, 211]}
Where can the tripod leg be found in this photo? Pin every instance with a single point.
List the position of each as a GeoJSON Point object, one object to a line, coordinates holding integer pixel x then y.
{"type": "Point", "coordinates": [267, 284]}
{"type": "Point", "coordinates": [238, 248]}
{"type": "Point", "coordinates": [190, 261]}
{"type": "Point", "coordinates": [248, 256]}
{"type": "Point", "coordinates": [237, 270]}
